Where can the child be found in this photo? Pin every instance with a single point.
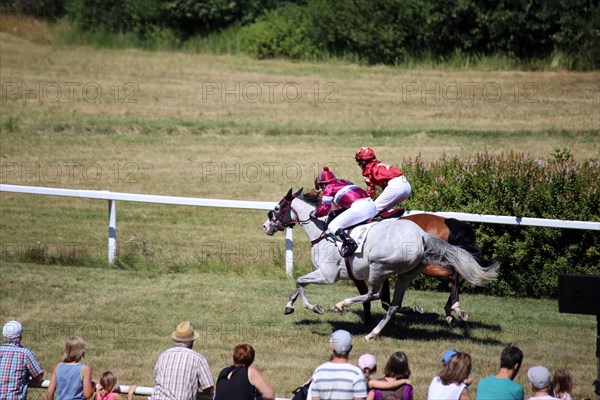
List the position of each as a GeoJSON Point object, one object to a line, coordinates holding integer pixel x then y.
{"type": "Point", "coordinates": [368, 364]}
{"type": "Point", "coordinates": [562, 384]}
{"type": "Point", "coordinates": [395, 384]}
{"type": "Point", "coordinates": [71, 378]}
{"type": "Point", "coordinates": [108, 383]}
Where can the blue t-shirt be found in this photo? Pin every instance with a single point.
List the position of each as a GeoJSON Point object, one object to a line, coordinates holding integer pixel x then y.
{"type": "Point", "coordinates": [492, 388]}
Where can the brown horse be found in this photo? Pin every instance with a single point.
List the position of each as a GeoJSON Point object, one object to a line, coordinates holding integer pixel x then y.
{"type": "Point", "coordinates": [454, 232]}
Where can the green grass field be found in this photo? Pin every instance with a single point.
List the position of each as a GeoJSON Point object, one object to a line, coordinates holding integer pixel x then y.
{"type": "Point", "coordinates": [228, 127]}
{"type": "Point", "coordinates": [126, 318]}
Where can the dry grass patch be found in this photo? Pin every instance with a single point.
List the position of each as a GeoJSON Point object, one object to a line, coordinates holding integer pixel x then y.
{"type": "Point", "coordinates": [333, 98]}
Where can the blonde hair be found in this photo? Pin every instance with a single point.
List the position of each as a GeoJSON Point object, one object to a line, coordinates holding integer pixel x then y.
{"type": "Point", "coordinates": [74, 349]}
{"type": "Point", "coordinates": [108, 381]}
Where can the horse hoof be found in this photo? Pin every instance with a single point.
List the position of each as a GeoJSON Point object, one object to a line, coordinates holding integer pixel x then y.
{"type": "Point", "coordinates": [463, 315]}
{"type": "Point", "coordinates": [418, 310]}
{"type": "Point", "coordinates": [288, 311]}
{"type": "Point", "coordinates": [318, 309]}
{"type": "Point", "coordinates": [450, 321]}
{"type": "Point", "coordinates": [337, 308]}
{"type": "Point", "coordinates": [370, 337]}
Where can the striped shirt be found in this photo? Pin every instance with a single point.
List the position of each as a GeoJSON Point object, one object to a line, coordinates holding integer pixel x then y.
{"type": "Point", "coordinates": [17, 365]}
{"type": "Point", "coordinates": [333, 381]}
{"type": "Point", "coordinates": [179, 373]}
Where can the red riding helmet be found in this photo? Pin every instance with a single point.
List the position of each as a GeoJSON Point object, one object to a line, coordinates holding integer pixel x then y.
{"type": "Point", "coordinates": [365, 154]}
{"type": "Point", "coordinates": [325, 177]}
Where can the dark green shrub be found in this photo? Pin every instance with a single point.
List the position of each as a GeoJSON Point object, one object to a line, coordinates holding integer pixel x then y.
{"type": "Point", "coordinates": [386, 31]}
{"type": "Point", "coordinates": [517, 185]}
{"type": "Point", "coordinates": [284, 32]}
{"type": "Point", "coordinates": [50, 10]}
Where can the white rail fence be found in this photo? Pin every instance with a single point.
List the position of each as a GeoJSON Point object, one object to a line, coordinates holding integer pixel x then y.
{"type": "Point", "coordinates": [139, 391]}
{"type": "Point", "coordinates": [113, 197]}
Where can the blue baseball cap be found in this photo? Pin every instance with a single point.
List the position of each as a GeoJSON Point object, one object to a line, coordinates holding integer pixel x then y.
{"type": "Point", "coordinates": [447, 356]}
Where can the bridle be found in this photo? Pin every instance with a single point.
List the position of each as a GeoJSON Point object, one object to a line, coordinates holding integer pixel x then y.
{"type": "Point", "coordinates": [277, 217]}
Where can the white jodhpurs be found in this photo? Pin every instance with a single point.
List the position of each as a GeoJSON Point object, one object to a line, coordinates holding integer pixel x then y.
{"type": "Point", "coordinates": [397, 190]}
{"type": "Point", "coordinates": [361, 210]}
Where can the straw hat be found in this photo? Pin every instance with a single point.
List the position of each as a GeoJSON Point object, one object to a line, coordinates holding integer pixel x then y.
{"type": "Point", "coordinates": [184, 333]}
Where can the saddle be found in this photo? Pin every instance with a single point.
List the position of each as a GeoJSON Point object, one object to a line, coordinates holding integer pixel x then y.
{"type": "Point", "coordinates": [395, 213]}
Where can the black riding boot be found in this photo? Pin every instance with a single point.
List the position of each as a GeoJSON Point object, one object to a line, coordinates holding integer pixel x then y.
{"type": "Point", "coordinates": [349, 245]}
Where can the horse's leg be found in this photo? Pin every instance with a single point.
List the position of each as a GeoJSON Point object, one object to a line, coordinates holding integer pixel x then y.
{"type": "Point", "coordinates": [289, 307]}
{"type": "Point", "coordinates": [402, 283]}
{"type": "Point", "coordinates": [457, 282]}
{"type": "Point", "coordinates": [385, 294]}
{"type": "Point", "coordinates": [448, 307]}
{"type": "Point", "coordinates": [363, 289]}
{"type": "Point", "coordinates": [370, 295]}
{"type": "Point", "coordinates": [318, 278]}
{"type": "Point", "coordinates": [373, 292]}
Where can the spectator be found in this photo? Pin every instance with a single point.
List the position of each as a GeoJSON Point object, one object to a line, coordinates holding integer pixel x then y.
{"type": "Point", "coordinates": [562, 384]}
{"type": "Point", "coordinates": [539, 377]}
{"type": "Point", "coordinates": [396, 379]}
{"type": "Point", "coordinates": [180, 371]}
{"type": "Point", "coordinates": [337, 378]}
{"type": "Point", "coordinates": [71, 378]}
{"type": "Point", "coordinates": [368, 365]}
{"type": "Point", "coordinates": [108, 385]}
{"type": "Point", "coordinates": [447, 356]}
{"type": "Point", "coordinates": [242, 381]}
{"type": "Point", "coordinates": [501, 385]}
{"type": "Point", "coordinates": [450, 383]}
{"type": "Point", "coordinates": [18, 365]}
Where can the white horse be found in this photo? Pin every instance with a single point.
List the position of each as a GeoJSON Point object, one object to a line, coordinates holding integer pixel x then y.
{"type": "Point", "coordinates": [392, 247]}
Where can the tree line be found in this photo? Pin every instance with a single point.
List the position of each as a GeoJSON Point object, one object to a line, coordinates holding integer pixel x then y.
{"type": "Point", "coordinates": [368, 31]}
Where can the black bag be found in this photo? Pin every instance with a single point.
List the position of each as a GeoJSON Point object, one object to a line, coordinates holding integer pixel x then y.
{"type": "Point", "coordinates": [301, 392]}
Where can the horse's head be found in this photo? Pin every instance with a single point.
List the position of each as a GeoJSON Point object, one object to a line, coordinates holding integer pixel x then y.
{"type": "Point", "coordinates": [281, 216]}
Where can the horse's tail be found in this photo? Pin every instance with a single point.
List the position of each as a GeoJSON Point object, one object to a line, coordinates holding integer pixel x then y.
{"type": "Point", "coordinates": [438, 252]}
{"type": "Point", "coordinates": [463, 235]}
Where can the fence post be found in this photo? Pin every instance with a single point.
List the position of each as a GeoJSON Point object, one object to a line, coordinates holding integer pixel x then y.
{"type": "Point", "coordinates": [289, 252]}
{"type": "Point", "coordinates": [112, 231]}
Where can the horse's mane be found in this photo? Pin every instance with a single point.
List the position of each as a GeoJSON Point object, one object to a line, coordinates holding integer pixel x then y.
{"type": "Point", "coordinates": [310, 198]}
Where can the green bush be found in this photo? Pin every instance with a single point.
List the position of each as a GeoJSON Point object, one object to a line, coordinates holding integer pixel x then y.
{"type": "Point", "coordinates": [516, 185]}
{"type": "Point", "coordinates": [386, 31]}
{"type": "Point", "coordinates": [284, 32]}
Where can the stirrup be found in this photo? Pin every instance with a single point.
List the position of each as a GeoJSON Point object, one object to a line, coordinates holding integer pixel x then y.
{"type": "Point", "coordinates": [349, 245]}
{"type": "Point", "coordinates": [348, 249]}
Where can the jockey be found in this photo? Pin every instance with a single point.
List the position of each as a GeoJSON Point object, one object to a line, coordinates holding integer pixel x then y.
{"type": "Point", "coordinates": [396, 188]}
{"type": "Point", "coordinates": [339, 194]}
